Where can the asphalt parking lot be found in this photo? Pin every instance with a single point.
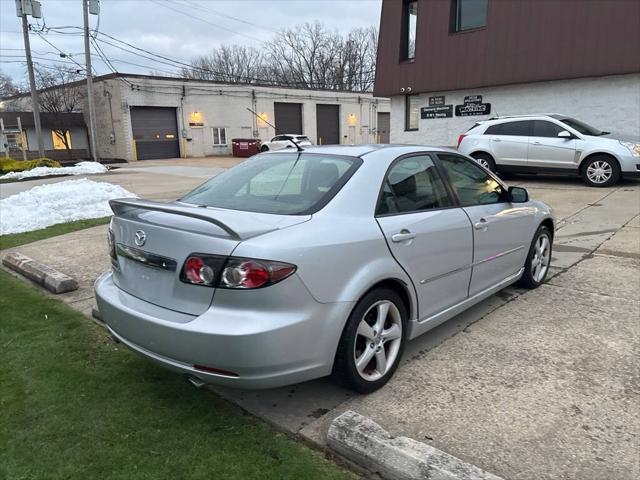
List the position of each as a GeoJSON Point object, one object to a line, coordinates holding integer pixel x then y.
{"type": "Point", "coordinates": [540, 384]}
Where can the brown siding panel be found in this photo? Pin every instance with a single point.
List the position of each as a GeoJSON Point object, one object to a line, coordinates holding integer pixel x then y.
{"type": "Point", "coordinates": [524, 41]}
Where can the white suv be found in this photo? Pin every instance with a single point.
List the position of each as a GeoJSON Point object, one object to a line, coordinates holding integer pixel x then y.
{"type": "Point", "coordinates": [551, 144]}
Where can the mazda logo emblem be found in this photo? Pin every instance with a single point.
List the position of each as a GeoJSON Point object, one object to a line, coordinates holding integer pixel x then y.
{"type": "Point", "coordinates": [140, 238]}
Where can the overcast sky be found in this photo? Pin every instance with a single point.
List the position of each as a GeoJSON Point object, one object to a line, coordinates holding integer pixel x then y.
{"type": "Point", "coordinates": [179, 29]}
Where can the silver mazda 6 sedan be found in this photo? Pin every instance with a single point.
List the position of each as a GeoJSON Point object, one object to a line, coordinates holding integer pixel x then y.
{"type": "Point", "coordinates": [301, 264]}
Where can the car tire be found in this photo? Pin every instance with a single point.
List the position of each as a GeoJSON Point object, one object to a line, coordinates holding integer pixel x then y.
{"type": "Point", "coordinates": [264, 148]}
{"type": "Point", "coordinates": [600, 171]}
{"type": "Point", "coordinates": [538, 260]}
{"type": "Point", "coordinates": [375, 334]}
{"type": "Point", "coordinates": [485, 160]}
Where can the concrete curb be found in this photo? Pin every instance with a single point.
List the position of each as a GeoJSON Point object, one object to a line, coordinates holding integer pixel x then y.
{"type": "Point", "coordinates": [365, 442]}
{"type": "Point", "coordinates": [52, 280]}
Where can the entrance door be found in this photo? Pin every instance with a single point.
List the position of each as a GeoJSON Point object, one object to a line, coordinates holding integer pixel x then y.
{"type": "Point", "coordinates": [384, 127]}
{"type": "Point", "coordinates": [288, 117]}
{"type": "Point", "coordinates": [328, 124]}
{"type": "Point", "coordinates": [155, 131]}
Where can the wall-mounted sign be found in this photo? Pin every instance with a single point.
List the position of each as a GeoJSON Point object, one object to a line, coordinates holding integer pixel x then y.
{"type": "Point", "coordinates": [444, 111]}
{"type": "Point", "coordinates": [473, 99]}
{"type": "Point", "coordinates": [436, 101]}
{"type": "Point", "coordinates": [469, 109]}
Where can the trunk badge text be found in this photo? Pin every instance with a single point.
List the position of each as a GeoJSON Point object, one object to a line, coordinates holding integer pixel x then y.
{"type": "Point", "coordinates": [140, 238]}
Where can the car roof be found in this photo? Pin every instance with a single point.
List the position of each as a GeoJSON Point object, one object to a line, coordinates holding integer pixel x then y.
{"type": "Point", "coordinates": [362, 150]}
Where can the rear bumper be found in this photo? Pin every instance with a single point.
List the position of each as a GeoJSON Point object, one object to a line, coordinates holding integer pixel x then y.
{"type": "Point", "coordinates": [265, 343]}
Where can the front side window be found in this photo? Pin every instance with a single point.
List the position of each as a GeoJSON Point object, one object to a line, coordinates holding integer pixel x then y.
{"type": "Point", "coordinates": [413, 184]}
{"type": "Point", "coordinates": [411, 25]}
{"type": "Point", "coordinates": [285, 184]}
{"type": "Point", "coordinates": [412, 112]}
{"type": "Point", "coordinates": [542, 128]}
{"type": "Point", "coordinates": [468, 14]}
{"type": "Point", "coordinates": [472, 184]}
{"type": "Point", "coordinates": [219, 135]}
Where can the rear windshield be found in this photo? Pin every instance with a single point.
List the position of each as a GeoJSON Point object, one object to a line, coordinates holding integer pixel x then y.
{"type": "Point", "coordinates": [279, 183]}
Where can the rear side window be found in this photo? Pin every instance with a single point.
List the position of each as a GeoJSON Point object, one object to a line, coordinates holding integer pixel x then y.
{"type": "Point", "coordinates": [285, 184]}
{"type": "Point", "coordinates": [520, 128]}
{"type": "Point", "coordinates": [472, 184]}
{"type": "Point", "coordinates": [412, 184]}
{"type": "Point", "coordinates": [542, 128]}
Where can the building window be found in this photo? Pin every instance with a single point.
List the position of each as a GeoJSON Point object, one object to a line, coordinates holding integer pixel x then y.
{"type": "Point", "coordinates": [61, 140]}
{"type": "Point", "coordinates": [412, 112]}
{"type": "Point", "coordinates": [219, 135]}
{"type": "Point", "coordinates": [410, 23]}
{"type": "Point", "coordinates": [468, 14]}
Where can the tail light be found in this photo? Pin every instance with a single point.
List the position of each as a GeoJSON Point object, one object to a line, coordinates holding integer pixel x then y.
{"type": "Point", "coordinates": [232, 272]}
{"type": "Point", "coordinates": [460, 138]}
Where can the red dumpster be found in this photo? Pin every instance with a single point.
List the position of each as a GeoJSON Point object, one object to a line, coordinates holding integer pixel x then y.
{"type": "Point", "coordinates": [245, 147]}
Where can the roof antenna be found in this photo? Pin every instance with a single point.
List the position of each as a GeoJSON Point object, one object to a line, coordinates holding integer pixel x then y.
{"type": "Point", "coordinates": [298, 147]}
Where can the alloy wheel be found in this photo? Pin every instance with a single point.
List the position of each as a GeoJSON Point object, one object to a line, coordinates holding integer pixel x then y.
{"type": "Point", "coordinates": [378, 340]}
{"type": "Point", "coordinates": [541, 257]}
{"type": "Point", "coordinates": [484, 163]}
{"type": "Point", "coordinates": [599, 172]}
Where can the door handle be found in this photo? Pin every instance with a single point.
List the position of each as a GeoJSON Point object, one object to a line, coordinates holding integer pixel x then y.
{"type": "Point", "coordinates": [403, 236]}
{"type": "Point", "coordinates": [537, 143]}
{"type": "Point", "coordinates": [496, 140]}
{"type": "Point", "coordinates": [481, 225]}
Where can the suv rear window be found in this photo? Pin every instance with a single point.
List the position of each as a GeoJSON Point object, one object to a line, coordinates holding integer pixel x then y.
{"type": "Point", "coordinates": [285, 184]}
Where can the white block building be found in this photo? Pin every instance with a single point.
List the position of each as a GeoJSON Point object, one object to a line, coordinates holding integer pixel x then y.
{"type": "Point", "coordinates": [146, 117]}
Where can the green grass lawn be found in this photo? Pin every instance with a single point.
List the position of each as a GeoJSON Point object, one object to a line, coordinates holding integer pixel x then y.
{"type": "Point", "coordinates": [15, 239]}
{"type": "Point", "coordinates": [75, 405]}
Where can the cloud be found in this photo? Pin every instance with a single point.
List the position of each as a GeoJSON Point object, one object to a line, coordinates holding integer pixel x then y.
{"type": "Point", "coordinates": [180, 29]}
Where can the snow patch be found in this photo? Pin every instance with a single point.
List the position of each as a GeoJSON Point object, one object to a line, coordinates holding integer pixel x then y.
{"type": "Point", "coordinates": [82, 168]}
{"type": "Point", "coordinates": [62, 202]}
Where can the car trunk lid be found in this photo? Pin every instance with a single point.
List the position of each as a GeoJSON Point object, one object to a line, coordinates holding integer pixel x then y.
{"type": "Point", "coordinates": [153, 240]}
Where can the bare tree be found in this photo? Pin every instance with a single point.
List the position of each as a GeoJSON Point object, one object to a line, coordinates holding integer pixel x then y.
{"type": "Point", "coordinates": [228, 63]}
{"type": "Point", "coordinates": [306, 56]}
{"type": "Point", "coordinates": [61, 91]}
{"type": "Point", "coordinates": [7, 87]}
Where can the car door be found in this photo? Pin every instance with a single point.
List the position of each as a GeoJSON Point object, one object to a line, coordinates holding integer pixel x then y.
{"type": "Point", "coordinates": [501, 230]}
{"type": "Point", "coordinates": [547, 150]}
{"type": "Point", "coordinates": [427, 234]}
{"type": "Point", "coordinates": [509, 142]}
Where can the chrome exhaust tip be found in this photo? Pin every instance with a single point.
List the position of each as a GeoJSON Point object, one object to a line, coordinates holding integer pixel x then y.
{"type": "Point", "coordinates": [195, 381]}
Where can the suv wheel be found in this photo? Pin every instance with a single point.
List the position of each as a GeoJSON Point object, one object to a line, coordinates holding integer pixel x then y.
{"type": "Point", "coordinates": [372, 341]}
{"type": "Point", "coordinates": [485, 160]}
{"type": "Point", "coordinates": [600, 171]}
{"type": "Point", "coordinates": [264, 148]}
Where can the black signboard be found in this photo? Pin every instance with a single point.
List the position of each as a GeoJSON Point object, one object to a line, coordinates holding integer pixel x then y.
{"type": "Point", "coordinates": [436, 101]}
{"type": "Point", "coordinates": [473, 99]}
{"type": "Point", "coordinates": [469, 109]}
{"type": "Point", "coordinates": [443, 111]}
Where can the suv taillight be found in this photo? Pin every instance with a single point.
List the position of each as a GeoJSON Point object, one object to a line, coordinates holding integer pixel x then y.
{"type": "Point", "coordinates": [232, 272]}
{"type": "Point", "coordinates": [460, 138]}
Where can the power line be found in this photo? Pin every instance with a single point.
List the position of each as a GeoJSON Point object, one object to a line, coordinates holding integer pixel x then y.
{"type": "Point", "coordinates": [205, 21]}
{"type": "Point", "coordinates": [202, 8]}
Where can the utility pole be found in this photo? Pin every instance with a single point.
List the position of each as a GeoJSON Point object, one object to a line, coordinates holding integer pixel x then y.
{"type": "Point", "coordinates": [87, 57]}
{"type": "Point", "coordinates": [24, 8]}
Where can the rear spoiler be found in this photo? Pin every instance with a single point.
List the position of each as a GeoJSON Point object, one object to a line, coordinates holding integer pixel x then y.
{"type": "Point", "coordinates": [123, 205]}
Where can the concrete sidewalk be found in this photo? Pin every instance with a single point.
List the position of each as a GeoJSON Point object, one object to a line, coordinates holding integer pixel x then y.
{"type": "Point", "coordinates": [540, 384]}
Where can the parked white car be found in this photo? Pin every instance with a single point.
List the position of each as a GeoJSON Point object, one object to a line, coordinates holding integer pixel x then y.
{"type": "Point", "coordinates": [280, 142]}
{"type": "Point", "coordinates": [552, 143]}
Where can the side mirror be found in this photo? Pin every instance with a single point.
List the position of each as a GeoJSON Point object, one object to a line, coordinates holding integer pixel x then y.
{"type": "Point", "coordinates": [564, 134]}
{"type": "Point", "coordinates": [518, 195]}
